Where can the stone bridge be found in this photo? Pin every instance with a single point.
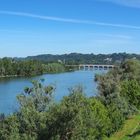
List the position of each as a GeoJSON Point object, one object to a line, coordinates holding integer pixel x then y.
{"type": "Point", "coordinates": [92, 67]}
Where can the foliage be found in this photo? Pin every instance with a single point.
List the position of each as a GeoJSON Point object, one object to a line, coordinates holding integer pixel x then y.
{"type": "Point", "coordinates": [77, 117]}
{"type": "Point", "coordinates": [131, 70]}
{"type": "Point", "coordinates": [131, 91]}
{"type": "Point", "coordinates": [9, 128]}
{"type": "Point", "coordinates": [119, 93]}
{"type": "Point", "coordinates": [11, 67]}
{"type": "Point", "coordinates": [109, 90]}
{"type": "Point", "coordinates": [38, 96]}
{"type": "Point", "coordinates": [54, 68]}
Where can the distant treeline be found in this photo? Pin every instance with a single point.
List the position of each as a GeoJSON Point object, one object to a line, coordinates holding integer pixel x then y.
{"type": "Point", "coordinates": [77, 58]}
{"type": "Point", "coordinates": [11, 67]}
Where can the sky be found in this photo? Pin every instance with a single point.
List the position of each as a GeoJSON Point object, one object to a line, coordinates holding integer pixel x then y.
{"type": "Point", "coordinates": [32, 27]}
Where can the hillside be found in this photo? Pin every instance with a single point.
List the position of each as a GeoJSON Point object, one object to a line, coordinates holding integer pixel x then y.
{"type": "Point", "coordinates": [77, 58]}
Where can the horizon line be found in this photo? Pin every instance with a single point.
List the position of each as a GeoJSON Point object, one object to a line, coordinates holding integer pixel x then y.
{"type": "Point", "coordinates": [69, 54]}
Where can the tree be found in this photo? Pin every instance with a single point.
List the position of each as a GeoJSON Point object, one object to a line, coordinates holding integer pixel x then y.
{"type": "Point", "coordinates": [131, 91]}
{"type": "Point", "coordinates": [38, 96]}
{"type": "Point", "coordinates": [131, 70]}
{"type": "Point", "coordinates": [77, 117]}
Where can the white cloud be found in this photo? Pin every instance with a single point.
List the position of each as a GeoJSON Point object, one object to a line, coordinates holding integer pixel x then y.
{"type": "Point", "coordinates": [67, 20]}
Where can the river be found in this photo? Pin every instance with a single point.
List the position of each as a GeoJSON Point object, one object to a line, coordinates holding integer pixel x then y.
{"type": "Point", "coordinates": [11, 87]}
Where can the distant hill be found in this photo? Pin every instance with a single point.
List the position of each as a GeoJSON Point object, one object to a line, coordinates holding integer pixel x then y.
{"type": "Point", "coordinates": [78, 58]}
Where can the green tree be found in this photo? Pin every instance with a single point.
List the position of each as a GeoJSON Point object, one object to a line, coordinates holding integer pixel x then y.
{"type": "Point", "coordinates": [9, 128]}
{"type": "Point", "coordinates": [38, 96]}
{"type": "Point", "coordinates": [131, 70]}
{"type": "Point", "coordinates": [77, 117]}
{"type": "Point", "coordinates": [131, 91]}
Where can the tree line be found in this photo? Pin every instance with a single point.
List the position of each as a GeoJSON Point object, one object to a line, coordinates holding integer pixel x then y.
{"type": "Point", "coordinates": [11, 67]}
{"type": "Point", "coordinates": [76, 116]}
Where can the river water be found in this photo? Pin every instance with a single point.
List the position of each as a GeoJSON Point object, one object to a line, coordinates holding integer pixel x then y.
{"type": "Point", "coordinates": [11, 87]}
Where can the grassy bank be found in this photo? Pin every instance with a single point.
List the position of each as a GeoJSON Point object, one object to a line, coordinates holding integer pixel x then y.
{"type": "Point", "coordinates": [130, 130]}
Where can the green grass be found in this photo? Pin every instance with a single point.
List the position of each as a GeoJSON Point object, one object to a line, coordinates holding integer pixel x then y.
{"type": "Point", "coordinates": [130, 130]}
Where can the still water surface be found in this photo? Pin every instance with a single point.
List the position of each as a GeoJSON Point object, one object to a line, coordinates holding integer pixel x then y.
{"type": "Point", "coordinates": [10, 88]}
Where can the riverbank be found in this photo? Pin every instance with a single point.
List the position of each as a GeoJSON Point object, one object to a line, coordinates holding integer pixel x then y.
{"type": "Point", "coordinates": [26, 68]}
{"type": "Point", "coordinates": [14, 76]}
{"type": "Point", "coordinates": [10, 76]}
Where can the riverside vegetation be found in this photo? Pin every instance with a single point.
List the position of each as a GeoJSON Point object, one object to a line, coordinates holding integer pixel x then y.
{"type": "Point", "coordinates": [9, 67]}
{"type": "Point", "coordinates": [77, 117]}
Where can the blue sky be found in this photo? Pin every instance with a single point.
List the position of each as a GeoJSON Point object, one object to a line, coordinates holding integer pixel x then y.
{"type": "Point", "coordinates": [32, 27]}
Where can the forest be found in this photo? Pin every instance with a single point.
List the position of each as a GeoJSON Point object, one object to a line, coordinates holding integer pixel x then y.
{"type": "Point", "coordinates": [76, 116]}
